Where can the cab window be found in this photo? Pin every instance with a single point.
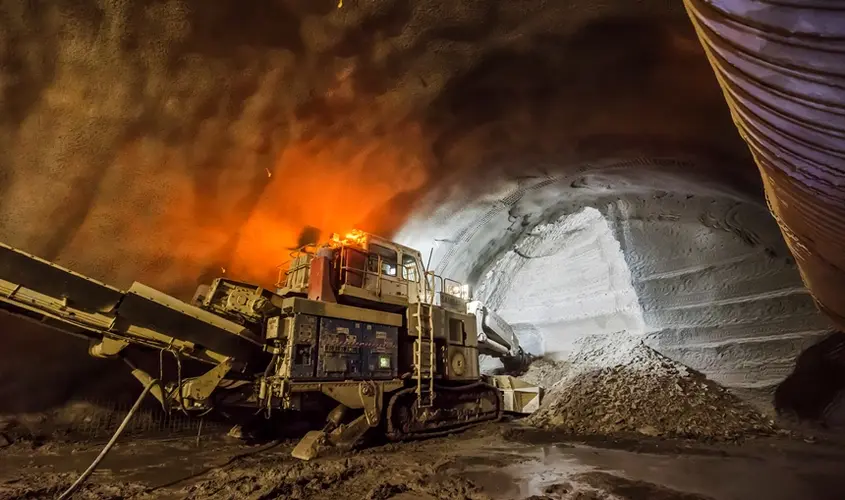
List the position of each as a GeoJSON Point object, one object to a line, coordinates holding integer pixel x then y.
{"type": "Point", "coordinates": [388, 260]}
{"type": "Point", "coordinates": [409, 268]}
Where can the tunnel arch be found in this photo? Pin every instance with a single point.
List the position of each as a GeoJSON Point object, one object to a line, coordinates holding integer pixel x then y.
{"type": "Point", "coordinates": [712, 284]}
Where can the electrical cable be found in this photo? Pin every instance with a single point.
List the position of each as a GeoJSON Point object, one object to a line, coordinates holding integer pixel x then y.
{"type": "Point", "coordinates": [91, 468]}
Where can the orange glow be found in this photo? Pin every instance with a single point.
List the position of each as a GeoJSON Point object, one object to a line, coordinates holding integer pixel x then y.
{"type": "Point", "coordinates": [332, 188]}
{"type": "Point", "coordinates": [356, 237]}
{"type": "Point", "coordinates": [170, 233]}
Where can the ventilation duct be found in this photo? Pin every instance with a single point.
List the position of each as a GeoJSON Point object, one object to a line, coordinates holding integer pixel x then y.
{"type": "Point", "coordinates": [781, 65]}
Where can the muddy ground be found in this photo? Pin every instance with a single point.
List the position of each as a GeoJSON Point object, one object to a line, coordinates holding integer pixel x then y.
{"type": "Point", "coordinates": [497, 461]}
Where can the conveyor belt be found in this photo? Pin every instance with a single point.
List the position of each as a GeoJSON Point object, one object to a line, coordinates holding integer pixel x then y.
{"type": "Point", "coordinates": [37, 289]}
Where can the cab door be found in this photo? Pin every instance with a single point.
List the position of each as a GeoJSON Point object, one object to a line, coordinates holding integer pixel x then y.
{"type": "Point", "coordinates": [383, 277]}
{"type": "Point", "coordinates": [412, 274]}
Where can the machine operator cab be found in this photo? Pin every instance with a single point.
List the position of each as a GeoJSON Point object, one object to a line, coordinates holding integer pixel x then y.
{"type": "Point", "coordinates": [371, 271]}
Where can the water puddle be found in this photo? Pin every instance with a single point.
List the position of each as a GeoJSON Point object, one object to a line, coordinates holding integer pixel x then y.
{"type": "Point", "coordinates": [534, 471]}
{"type": "Point", "coordinates": [523, 470]}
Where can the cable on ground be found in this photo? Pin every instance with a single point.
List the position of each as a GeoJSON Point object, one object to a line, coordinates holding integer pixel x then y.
{"type": "Point", "coordinates": [91, 468]}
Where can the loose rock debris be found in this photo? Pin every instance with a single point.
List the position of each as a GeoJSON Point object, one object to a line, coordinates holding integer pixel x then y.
{"type": "Point", "coordinates": [362, 476]}
{"type": "Point", "coordinates": [616, 385]}
{"type": "Point", "coordinates": [371, 474]}
{"type": "Point", "coordinates": [51, 485]}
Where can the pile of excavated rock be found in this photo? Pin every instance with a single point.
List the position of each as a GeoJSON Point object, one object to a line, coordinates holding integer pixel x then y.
{"type": "Point", "coordinates": [616, 385]}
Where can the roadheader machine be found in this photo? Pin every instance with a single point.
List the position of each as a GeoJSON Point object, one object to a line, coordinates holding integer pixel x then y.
{"type": "Point", "coordinates": [356, 328]}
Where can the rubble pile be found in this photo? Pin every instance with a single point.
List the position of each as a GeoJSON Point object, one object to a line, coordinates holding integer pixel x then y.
{"type": "Point", "coordinates": [545, 372]}
{"type": "Point", "coordinates": [616, 385]}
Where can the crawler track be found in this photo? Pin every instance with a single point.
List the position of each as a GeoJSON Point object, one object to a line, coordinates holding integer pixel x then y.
{"type": "Point", "coordinates": [455, 409]}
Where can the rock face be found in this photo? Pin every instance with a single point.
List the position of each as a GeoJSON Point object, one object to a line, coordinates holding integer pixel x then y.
{"type": "Point", "coordinates": [618, 385]}
{"type": "Point", "coordinates": [567, 278]}
{"type": "Point", "coordinates": [165, 140]}
{"type": "Point", "coordinates": [698, 271]}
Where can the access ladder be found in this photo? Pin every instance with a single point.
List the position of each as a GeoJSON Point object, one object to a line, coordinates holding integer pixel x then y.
{"type": "Point", "coordinates": [424, 319]}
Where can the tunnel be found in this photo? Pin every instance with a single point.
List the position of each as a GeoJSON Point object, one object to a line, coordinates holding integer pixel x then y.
{"type": "Point", "coordinates": [667, 173]}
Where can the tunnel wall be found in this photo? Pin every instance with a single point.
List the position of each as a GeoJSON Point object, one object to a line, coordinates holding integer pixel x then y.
{"type": "Point", "coordinates": [781, 66]}
{"type": "Point", "coordinates": [716, 287]}
{"type": "Point", "coordinates": [564, 280]}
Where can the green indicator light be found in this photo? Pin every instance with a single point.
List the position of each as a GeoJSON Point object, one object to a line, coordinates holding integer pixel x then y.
{"type": "Point", "coordinates": [384, 362]}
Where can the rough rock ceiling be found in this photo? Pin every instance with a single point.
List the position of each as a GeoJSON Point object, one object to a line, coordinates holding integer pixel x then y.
{"type": "Point", "coordinates": [166, 141]}
{"type": "Point", "coordinates": [223, 128]}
